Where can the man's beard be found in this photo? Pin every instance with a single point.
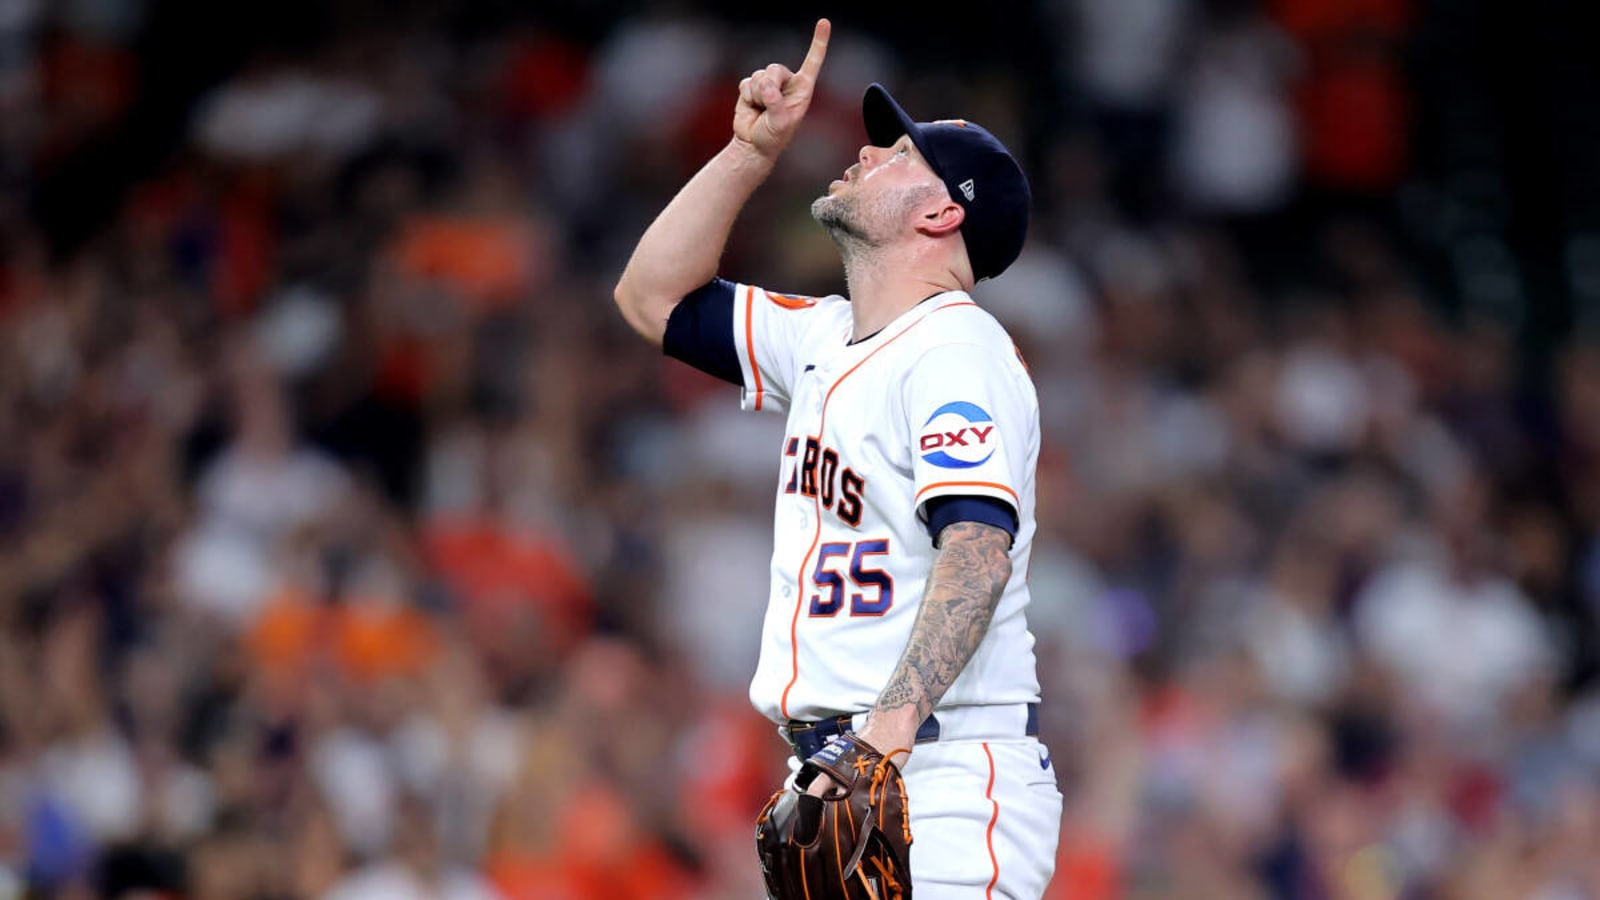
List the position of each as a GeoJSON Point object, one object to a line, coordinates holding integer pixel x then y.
{"type": "Point", "coordinates": [839, 216]}
{"type": "Point", "coordinates": [857, 225]}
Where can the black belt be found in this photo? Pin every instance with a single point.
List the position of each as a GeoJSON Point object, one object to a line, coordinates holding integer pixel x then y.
{"type": "Point", "coordinates": [808, 738]}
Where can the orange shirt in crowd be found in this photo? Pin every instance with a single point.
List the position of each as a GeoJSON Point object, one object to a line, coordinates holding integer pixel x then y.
{"type": "Point", "coordinates": [488, 262]}
{"type": "Point", "coordinates": [496, 570]}
{"type": "Point", "coordinates": [1088, 867]}
{"type": "Point", "coordinates": [366, 639]}
{"type": "Point", "coordinates": [598, 852]}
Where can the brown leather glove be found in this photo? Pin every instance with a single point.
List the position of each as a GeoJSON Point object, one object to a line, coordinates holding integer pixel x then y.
{"type": "Point", "coordinates": [853, 843]}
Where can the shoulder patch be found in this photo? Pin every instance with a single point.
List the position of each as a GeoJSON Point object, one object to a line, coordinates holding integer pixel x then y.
{"type": "Point", "coordinates": [790, 301]}
{"type": "Point", "coordinates": [959, 435]}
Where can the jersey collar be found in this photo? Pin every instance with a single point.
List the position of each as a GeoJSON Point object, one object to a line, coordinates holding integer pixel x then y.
{"type": "Point", "coordinates": [908, 318]}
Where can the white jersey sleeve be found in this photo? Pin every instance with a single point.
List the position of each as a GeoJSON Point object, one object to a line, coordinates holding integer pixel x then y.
{"type": "Point", "coordinates": [769, 329]}
{"type": "Point", "coordinates": [751, 337]}
{"type": "Point", "coordinates": [970, 420]}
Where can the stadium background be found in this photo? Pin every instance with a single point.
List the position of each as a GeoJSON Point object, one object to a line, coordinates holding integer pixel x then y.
{"type": "Point", "coordinates": [350, 547]}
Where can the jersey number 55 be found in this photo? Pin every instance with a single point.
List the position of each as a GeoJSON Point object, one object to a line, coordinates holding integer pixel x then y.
{"type": "Point", "coordinates": [831, 584]}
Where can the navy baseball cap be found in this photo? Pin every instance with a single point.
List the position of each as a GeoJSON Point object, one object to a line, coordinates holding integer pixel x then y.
{"type": "Point", "coordinates": [979, 172]}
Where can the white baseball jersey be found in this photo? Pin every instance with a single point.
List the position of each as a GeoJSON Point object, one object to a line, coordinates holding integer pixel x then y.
{"type": "Point", "coordinates": [936, 404]}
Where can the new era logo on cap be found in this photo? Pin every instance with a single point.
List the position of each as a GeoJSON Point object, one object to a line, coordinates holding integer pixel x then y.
{"type": "Point", "coordinates": [963, 154]}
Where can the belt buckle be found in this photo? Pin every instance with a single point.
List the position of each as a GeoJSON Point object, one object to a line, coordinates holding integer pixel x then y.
{"type": "Point", "coordinates": [794, 732]}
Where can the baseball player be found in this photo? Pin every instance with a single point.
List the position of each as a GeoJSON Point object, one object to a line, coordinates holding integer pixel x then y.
{"type": "Point", "coordinates": [895, 621]}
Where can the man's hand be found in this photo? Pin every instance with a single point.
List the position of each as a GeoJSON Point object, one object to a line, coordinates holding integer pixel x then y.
{"type": "Point", "coordinates": [772, 101]}
{"type": "Point", "coordinates": [895, 741]}
{"type": "Point", "coordinates": [854, 842]}
{"type": "Point", "coordinates": [822, 784]}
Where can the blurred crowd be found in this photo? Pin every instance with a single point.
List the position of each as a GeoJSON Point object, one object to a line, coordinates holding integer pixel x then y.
{"type": "Point", "coordinates": [352, 548]}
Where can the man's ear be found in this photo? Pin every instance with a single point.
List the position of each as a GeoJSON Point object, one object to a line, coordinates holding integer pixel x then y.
{"type": "Point", "coordinates": [941, 218]}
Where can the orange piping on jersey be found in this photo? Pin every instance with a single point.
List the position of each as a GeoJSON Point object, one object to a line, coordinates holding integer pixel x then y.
{"type": "Point", "coordinates": [994, 817]}
{"type": "Point", "coordinates": [982, 484]}
{"type": "Point", "coordinates": [750, 339]}
{"type": "Point", "coordinates": [805, 562]}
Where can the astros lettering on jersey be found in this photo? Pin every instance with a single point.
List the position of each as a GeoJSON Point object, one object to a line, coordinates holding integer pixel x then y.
{"type": "Point", "coordinates": [936, 404]}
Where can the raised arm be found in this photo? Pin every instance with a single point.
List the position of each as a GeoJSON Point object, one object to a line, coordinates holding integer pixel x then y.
{"type": "Point", "coordinates": [968, 577]}
{"type": "Point", "coordinates": [680, 250]}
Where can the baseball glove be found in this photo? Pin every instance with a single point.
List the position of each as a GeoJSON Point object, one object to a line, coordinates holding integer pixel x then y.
{"type": "Point", "coordinates": [853, 843]}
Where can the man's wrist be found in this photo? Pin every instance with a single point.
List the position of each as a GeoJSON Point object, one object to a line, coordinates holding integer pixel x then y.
{"type": "Point", "coordinates": [746, 154]}
{"type": "Point", "coordinates": [889, 731]}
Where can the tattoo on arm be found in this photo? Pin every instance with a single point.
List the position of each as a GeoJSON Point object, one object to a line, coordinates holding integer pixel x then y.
{"type": "Point", "coordinates": [968, 577]}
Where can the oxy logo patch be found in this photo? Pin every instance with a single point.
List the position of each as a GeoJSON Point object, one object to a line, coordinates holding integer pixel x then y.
{"type": "Point", "coordinates": [959, 435]}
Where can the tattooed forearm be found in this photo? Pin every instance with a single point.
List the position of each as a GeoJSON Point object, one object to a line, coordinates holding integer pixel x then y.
{"type": "Point", "coordinates": [968, 577]}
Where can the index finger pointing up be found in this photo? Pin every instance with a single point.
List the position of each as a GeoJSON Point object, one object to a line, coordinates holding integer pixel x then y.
{"type": "Point", "coordinates": [819, 49]}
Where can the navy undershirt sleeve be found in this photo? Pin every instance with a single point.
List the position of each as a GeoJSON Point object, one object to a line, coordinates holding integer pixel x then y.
{"type": "Point", "coordinates": [700, 332]}
{"type": "Point", "coordinates": [946, 511]}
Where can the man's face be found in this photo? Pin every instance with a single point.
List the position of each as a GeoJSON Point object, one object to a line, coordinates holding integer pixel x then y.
{"type": "Point", "coordinates": [879, 196]}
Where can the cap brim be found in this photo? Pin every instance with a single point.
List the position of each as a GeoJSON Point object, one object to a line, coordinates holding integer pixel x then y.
{"type": "Point", "coordinates": [886, 121]}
